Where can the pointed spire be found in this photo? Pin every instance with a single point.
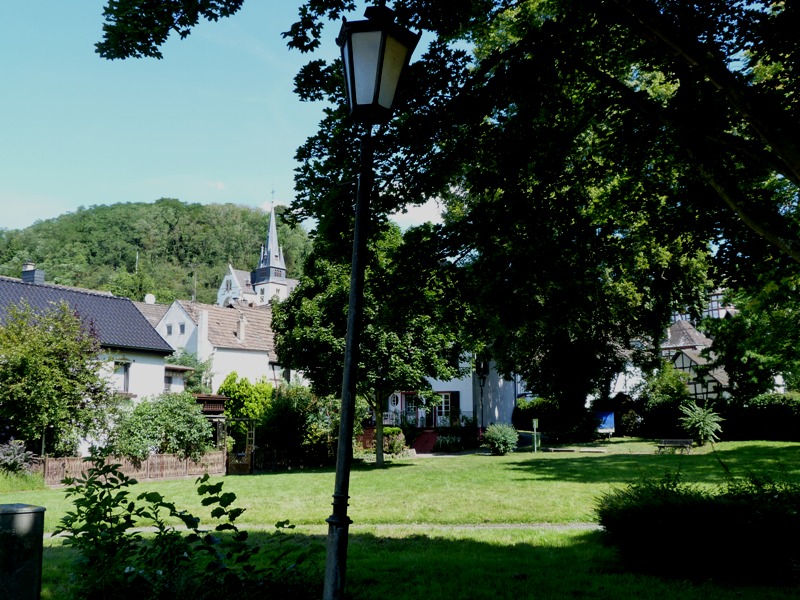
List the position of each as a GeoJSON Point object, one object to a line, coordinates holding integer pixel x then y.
{"type": "Point", "coordinates": [272, 254]}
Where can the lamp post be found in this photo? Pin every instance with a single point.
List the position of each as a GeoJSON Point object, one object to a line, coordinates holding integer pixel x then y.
{"type": "Point", "coordinates": [482, 369]}
{"type": "Point", "coordinates": [374, 54]}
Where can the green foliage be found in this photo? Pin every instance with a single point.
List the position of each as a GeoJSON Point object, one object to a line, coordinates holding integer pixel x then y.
{"type": "Point", "coordinates": [394, 442]}
{"type": "Point", "coordinates": [741, 531]}
{"type": "Point", "coordinates": [760, 341]}
{"type": "Point", "coordinates": [448, 443]}
{"type": "Point", "coordinates": [407, 332]}
{"type": "Point", "coordinates": [557, 423]}
{"type": "Point", "coordinates": [197, 381]}
{"type": "Point", "coordinates": [304, 428]}
{"type": "Point", "coordinates": [166, 424]}
{"type": "Point", "coordinates": [14, 458]}
{"type": "Point", "coordinates": [182, 248]}
{"type": "Point", "coordinates": [249, 401]}
{"type": "Point", "coordinates": [50, 378]}
{"type": "Point", "coordinates": [115, 560]}
{"type": "Point", "coordinates": [19, 482]}
{"type": "Point", "coordinates": [766, 417]}
{"type": "Point", "coordinates": [703, 422]}
{"type": "Point", "coordinates": [501, 438]}
{"type": "Point", "coordinates": [660, 397]}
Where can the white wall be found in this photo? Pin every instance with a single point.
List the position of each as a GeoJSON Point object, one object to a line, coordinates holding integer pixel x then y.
{"type": "Point", "coordinates": [252, 365]}
{"type": "Point", "coordinates": [499, 396]}
{"type": "Point", "coordinates": [145, 373]}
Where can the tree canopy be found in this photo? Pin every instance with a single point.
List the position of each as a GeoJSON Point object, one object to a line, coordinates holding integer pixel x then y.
{"type": "Point", "coordinates": [51, 383]}
{"type": "Point", "coordinates": [600, 159]}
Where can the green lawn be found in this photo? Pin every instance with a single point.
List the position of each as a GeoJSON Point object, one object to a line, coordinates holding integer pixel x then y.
{"type": "Point", "coordinates": [469, 526]}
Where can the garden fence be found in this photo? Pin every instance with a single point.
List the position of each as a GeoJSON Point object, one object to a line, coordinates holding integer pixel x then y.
{"type": "Point", "coordinates": [157, 466]}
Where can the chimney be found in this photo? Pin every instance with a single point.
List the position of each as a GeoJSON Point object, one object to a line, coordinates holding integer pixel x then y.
{"type": "Point", "coordinates": [242, 323]}
{"type": "Point", "coordinates": [30, 274]}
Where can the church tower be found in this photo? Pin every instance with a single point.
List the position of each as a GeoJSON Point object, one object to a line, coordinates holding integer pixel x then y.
{"type": "Point", "coordinates": [258, 287]}
{"type": "Point", "coordinates": [269, 278]}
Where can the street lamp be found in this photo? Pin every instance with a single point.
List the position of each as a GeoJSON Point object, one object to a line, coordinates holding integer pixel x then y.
{"type": "Point", "coordinates": [374, 54]}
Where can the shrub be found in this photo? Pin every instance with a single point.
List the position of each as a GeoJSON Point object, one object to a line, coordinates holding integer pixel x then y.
{"type": "Point", "coordinates": [743, 531]}
{"type": "Point", "coordinates": [167, 424]}
{"type": "Point", "coordinates": [14, 458]}
{"type": "Point", "coordinates": [179, 564]}
{"type": "Point", "coordinates": [702, 422]}
{"type": "Point", "coordinates": [770, 416]}
{"type": "Point", "coordinates": [394, 441]}
{"type": "Point", "coordinates": [661, 395]}
{"type": "Point", "coordinates": [448, 443]}
{"type": "Point", "coordinates": [501, 438]}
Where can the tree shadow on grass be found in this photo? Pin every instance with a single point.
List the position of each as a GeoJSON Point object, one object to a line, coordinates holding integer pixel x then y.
{"type": "Point", "coordinates": [478, 563]}
{"type": "Point", "coordinates": [781, 462]}
{"type": "Point", "coordinates": [357, 465]}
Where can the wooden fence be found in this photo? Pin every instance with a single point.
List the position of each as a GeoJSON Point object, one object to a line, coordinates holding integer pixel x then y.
{"type": "Point", "coordinates": [157, 466]}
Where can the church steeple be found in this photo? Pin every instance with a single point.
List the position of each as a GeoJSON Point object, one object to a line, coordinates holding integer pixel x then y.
{"type": "Point", "coordinates": [272, 253]}
{"type": "Point", "coordinates": [267, 281]}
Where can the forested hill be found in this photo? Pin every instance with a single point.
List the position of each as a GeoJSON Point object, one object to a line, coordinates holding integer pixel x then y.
{"type": "Point", "coordinates": [168, 248]}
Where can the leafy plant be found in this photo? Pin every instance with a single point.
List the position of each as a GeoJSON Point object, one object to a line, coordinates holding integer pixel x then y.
{"type": "Point", "coordinates": [195, 563]}
{"type": "Point", "coordinates": [394, 441]}
{"type": "Point", "coordinates": [14, 458]}
{"type": "Point", "coordinates": [501, 438]}
{"type": "Point", "coordinates": [666, 526]}
{"type": "Point", "coordinates": [167, 424]}
{"type": "Point", "coordinates": [99, 525]}
{"type": "Point", "coordinates": [197, 381]}
{"type": "Point", "coordinates": [448, 443]}
{"type": "Point", "coordinates": [702, 422]}
{"type": "Point", "coordinates": [49, 381]}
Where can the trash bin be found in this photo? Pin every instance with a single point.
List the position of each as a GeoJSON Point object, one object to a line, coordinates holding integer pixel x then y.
{"type": "Point", "coordinates": [21, 534]}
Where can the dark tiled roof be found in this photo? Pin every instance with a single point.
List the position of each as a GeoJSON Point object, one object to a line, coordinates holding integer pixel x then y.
{"type": "Point", "coordinates": [117, 321]}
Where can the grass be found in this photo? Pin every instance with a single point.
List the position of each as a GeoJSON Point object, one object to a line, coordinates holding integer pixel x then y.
{"type": "Point", "coordinates": [468, 526]}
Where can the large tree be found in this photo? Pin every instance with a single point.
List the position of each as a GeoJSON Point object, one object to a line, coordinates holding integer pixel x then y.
{"type": "Point", "coordinates": [593, 155]}
{"type": "Point", "coordinates": [52, 388]}
{"type": "Point", "coordinates": [409, 332]}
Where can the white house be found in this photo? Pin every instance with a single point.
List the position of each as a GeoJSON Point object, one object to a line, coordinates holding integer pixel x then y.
{"type": "Point", "coordinates": [236, 338]}
{"type": "Point", "coordinates": [133, 351]}
{"type": "Point", "coordinates": [482, 394]}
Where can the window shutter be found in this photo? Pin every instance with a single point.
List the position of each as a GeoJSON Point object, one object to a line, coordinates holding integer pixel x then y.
{"type": "Point", "coordinates": [455, 408]}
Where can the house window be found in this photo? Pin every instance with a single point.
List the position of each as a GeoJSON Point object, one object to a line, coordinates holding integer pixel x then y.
{"type": "Point", "coordinates": [182, 328]}
{"type": "Point", "coordinates": [122, 372]}
{"type": "Point", "coordinates": [167, 383]}
{"type": "Point", "coordinates": [443, 411]}
{"type": "Point", "coordinates": [169, 329]}
{"type": "Point", "coordinates": [228, 285]}
{"type": "Point", "coordinates": [262, 294]}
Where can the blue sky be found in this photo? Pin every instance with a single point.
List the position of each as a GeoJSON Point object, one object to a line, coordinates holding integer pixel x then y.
{"type": "Point", "coordinates": [214, 121]}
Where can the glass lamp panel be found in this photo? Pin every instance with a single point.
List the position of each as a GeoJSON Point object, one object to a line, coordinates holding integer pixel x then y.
{"type": "Point", "coordinates": [393, 62]}
{"type": "Point", "coordinates": [347, 74]}
{"type": "Point", "coordinates": [366, 56]}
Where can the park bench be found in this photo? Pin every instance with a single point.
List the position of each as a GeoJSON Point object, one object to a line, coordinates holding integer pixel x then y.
{"type": "Point", "coordinates": [684, 445]}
